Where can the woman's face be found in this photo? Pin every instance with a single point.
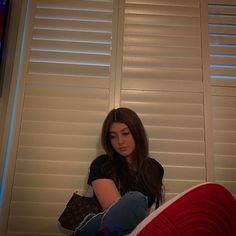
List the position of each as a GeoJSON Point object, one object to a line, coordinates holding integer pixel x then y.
{"type": "Point", "coordinates": [121, 139]}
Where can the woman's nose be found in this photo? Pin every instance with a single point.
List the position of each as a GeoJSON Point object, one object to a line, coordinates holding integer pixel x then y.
{"type": "Point", "coordinates": [120, 139]}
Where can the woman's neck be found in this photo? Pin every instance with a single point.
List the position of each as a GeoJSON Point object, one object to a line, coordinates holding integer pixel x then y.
{"type": "Point", "coordinates": [131, 164]}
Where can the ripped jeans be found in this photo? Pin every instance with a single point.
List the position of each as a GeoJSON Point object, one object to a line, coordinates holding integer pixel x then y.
{"type": "Point", "coordinates": [118, 220]}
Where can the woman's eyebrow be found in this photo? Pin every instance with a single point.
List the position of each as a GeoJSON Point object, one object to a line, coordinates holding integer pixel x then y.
{"type": "Point", "coordinates": [125, 129]}
{"type": "Point", "coordinates": [122, 130]}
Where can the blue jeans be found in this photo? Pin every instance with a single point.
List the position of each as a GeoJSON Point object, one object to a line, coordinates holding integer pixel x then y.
{"type": "Point", "coordinates": [120, 219]}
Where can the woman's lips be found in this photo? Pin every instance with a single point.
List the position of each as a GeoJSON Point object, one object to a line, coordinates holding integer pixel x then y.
{"type": "Point", "coordinates": [123, 149]}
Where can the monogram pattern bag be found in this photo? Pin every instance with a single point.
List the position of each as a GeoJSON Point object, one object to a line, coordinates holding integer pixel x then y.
{"type": "Point", "coordinates": [76, 209]}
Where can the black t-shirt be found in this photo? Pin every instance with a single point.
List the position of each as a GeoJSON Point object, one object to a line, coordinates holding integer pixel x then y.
{"type": "Point", "coordinates": [101, 167]}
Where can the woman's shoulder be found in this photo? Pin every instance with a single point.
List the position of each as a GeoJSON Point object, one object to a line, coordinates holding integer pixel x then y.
{"type": "Point", "coordinates": [99, 168]}
{"type": "Point", "coordinates": [101, 160]}
{"type": "Point", "coordinates": [157, 165]}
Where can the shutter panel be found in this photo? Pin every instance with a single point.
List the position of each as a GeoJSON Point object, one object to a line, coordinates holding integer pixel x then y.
{"type": "Point", "coordinates": [67, 95]}
{"type": "Point", "coordinates": [162, 81]}
{"type": "Point", "coordinates": [222, 73]}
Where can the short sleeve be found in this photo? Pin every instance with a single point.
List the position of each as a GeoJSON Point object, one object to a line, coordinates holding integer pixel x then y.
{"type": "Point", "coordinates": [99, 169]}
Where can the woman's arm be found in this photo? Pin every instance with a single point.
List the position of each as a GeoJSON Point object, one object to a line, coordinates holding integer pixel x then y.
{"type": "Point", "coordinates": [106, 192]}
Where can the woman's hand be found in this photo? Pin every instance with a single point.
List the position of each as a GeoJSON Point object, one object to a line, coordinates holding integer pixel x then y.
{"type": "Point", "coordinates": [106, 192]}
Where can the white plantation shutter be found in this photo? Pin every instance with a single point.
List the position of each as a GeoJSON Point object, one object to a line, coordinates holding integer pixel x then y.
{"type": "Point", "coordinates": [172, 61]}
{"type": "Point", "coordinates": [67, 95]}
{"type": "Point", "coordinates": [162, 81]}
{"type": "Point", "coordinates": [222, 73]}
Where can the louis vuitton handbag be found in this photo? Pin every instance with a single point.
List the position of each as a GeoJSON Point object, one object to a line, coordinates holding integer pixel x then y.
{"type": "Point", "coordinates": [76, 209]}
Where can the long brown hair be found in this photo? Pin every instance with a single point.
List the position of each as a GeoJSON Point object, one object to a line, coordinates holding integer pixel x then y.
{"type": "Point", "coordinates": [141, 163]}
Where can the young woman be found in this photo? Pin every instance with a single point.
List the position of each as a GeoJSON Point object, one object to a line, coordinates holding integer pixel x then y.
{"type": "Point", "coordinates": [125, 180]}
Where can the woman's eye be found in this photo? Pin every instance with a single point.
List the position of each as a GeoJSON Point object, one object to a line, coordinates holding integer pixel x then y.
{"type": "Point", "coordinates": [112, 136]}
{"type": "Point", "coordinates": [126, 133]}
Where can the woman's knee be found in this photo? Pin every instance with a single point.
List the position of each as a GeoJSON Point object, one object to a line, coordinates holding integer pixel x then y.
{"type": "Point", "coordinates": [135, 199]}
{"type": "Point", "coordinates": [132, 205]}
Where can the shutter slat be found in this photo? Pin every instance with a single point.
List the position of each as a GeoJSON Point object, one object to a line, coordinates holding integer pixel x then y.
{"type": "Point", "coordinates": [180, 172]}
{"type": "Point", "coordinates": [166, 83]}
{"type": "Point", "coordinates": [52, 140]}
{"type": "Point", "coordinates": [223, 19]}
{"type": "Point", "coordinates": [224, 136]}
{"type": "Point", "coordinates": [70, 25]}
{"type": "Point", "coordinates": [222, 9]}
{"type": "Point", "coordinates": [48, 195]}
{"type": "Point", "coordinates": [155, 9]}
{"type": "Point", "coordinates": [176, 146]}
{"type": "Point", "coordinates": [154, 61]}
{"type": "Point", "coordinates": [190, 53]}
{"type": "Point", "coordinates": [100, 6]}
{"type": "Point", "coordinates": [224, 124]}
{"type": "Point", "coordinates": [60, 115]}
{"type": "Point", "coordinates": [67, 69]}
{"type": "Point", "coordinates": [72, 36]}
{"type": "Point", "coordinates": [35, 209]}
{"type": "Point", "coordinates": [34, 224]}
{"type": "Point", "coordinates": [70, 58]}
{"type": "Point", "coordinates": [229, 2]}
{"type": "Point", "coordinates": [64, 103]}
{"type": "Point", "coordinates": [224, 29]}
{"type": "Point", "coordinates": [28, 180]}
{"type": "Point", "coordinates": [70, 47]}
{"type": "Point", "coordinates": [57, 153]}
{"type": "Point", "coordinates": [179, 159]}
{"type": "Point", "coordinates": [173, 120]}
{"type": "Point", "coordinates": [166, 2]}
{"type": "Point", "coordinates": [225, 161]}
{"type": "Point", "coordinates": [52, 167]}
{"type": "Point", "coordinates": [60, 127]}
{"type": "Point", "coordinates": [224, 91]}
{"type": "Point", "coordinates": [74, 14]}
{"type": "Point", "coordinates": [221, 40]}
{"type": "Point", "coordinates": [167, 108]}
{"type": "Point", "coordinates": [166, 73]}
{"type": "Point", "coordinates": [140, 40]}
{"type": "Point", "coordinates": [230, 50]}
{"type": "Point", "coordinates": [223, 70]}
{"type": "Point", "coordinates": [70, 81]}
{"type": "Point", "coordinates": [178, 133]}
{"type": "Point", "coordinates": [190, 32]}
{"type": "Point", "coordinates": [59, 91]}
{"type": "Point", "coordinates": [163, 20]}
{"type": "Point", "coordinates": [162, 96]}
{"type": "Point", "coordinates": [222, 60]}
{"type": "Point", "coordinates": [225, 149]}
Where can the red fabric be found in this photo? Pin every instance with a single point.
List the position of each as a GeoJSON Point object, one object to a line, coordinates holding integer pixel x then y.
{"type": "Point", "coordinates": [208, 210]}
